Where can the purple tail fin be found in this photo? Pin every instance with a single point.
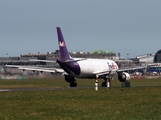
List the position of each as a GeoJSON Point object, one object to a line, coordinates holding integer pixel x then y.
{"type": "Point", "coordinates": [62, 46]}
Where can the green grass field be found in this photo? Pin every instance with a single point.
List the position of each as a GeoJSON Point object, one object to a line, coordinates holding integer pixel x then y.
{"type": "Point", "coordinates": [115, 103]}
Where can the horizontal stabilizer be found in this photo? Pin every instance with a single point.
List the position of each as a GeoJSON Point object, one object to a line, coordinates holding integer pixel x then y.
{"type": "Point", "coordinates": [68, 61]}
{"type": "Point", "coordinates": [36, 60]}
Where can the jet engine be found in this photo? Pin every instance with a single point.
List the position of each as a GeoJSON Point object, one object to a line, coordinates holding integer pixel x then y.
{"type": "Point", "coordinates": [124, 76]}
{"type": "Point", "coordinates": [71, 80]}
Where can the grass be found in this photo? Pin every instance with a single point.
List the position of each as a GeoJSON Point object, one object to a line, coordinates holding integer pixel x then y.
{"type": "Point", "coordinates": [138, 103]}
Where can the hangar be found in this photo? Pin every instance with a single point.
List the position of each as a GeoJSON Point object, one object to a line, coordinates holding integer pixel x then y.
{"type": "Point", "coordinates": [147, 58]}
{"type": "Point", "coordinates": [157, 57]}
{"type": "Point", "coordinates": [150, 58]}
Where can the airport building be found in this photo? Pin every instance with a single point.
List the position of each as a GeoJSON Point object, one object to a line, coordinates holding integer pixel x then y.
{"type": "Point", "coordinates": [150, 58]}
{"type": "Point", "coordinates": [23, 59]}
{"type": "Point", "coordinates": [147, 58]}
{"type": "Point", "coordinates": [157, 57]}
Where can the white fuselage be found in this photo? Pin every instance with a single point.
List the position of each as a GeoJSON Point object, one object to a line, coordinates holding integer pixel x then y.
{"type": "Point", "coordinates": [91, 67]}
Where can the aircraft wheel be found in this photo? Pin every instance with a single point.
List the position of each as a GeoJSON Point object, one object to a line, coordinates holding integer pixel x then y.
{"type": "Point", "coordinates": [103, 84]}
{"type": "Point", "coordinates": [73, 84]}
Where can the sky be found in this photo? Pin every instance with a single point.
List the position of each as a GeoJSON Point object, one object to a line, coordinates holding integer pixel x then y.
{"type": "Point", "coordinates": [124, 26]}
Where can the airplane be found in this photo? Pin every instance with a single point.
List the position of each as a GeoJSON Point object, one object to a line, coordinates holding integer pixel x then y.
{"type": "Point", "coordinates": [73, 68]}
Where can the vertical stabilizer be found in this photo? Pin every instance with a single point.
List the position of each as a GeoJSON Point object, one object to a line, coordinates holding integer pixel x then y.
{"type": "Point", "coordinates": [62, 46]}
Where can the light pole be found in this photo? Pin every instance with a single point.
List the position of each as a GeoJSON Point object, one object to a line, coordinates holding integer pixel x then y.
{"type": "Point", "coordinates": [127, 55]}
{"type": "Point", "coordinates": [127, 59]}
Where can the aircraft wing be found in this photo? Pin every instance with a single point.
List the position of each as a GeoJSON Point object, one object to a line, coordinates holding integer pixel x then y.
{"type": "Point", "coordinates": [130, 68]}
{"type": "Point", "coordinates": [40, 69]}
{"type": "Point", "coordinates": [138, 67]}
{"type": "Point", "coordinates": [100, 73]}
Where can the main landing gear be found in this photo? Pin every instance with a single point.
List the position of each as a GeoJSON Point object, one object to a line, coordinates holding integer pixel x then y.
{"type": "Point", "coordinates": [106, 83]}
{"type": "Point", "coordinates": [73, 84]}
{"type": "Point", "coordinates": [71, 80]}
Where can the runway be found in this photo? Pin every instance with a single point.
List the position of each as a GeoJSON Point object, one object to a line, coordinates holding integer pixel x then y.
{"type": "Point", "coordinates": [67, 88]}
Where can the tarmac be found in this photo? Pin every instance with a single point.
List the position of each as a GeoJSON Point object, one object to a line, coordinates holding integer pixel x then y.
{"type": "Point", "coordinates": [68, 88]}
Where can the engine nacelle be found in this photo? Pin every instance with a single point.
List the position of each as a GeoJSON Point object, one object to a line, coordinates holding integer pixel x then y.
{"type": "Point", "coordinates": [124, 76]}
{"type": "Point", "coordinates": [69, 79]}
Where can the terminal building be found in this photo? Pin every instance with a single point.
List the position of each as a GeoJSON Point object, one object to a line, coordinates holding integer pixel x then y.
{"type": "Point", "coordinates": [23, 59]}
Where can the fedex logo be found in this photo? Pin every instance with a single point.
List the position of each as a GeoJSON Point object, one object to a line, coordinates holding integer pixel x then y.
{"type": "Point", "coordinates": [62, 44]}
{"type": "Point", "coordinates": [112, 65]}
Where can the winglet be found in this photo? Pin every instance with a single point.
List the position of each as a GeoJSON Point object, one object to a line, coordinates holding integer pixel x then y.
{"type": "Point", "coordinates": [62, 46]}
